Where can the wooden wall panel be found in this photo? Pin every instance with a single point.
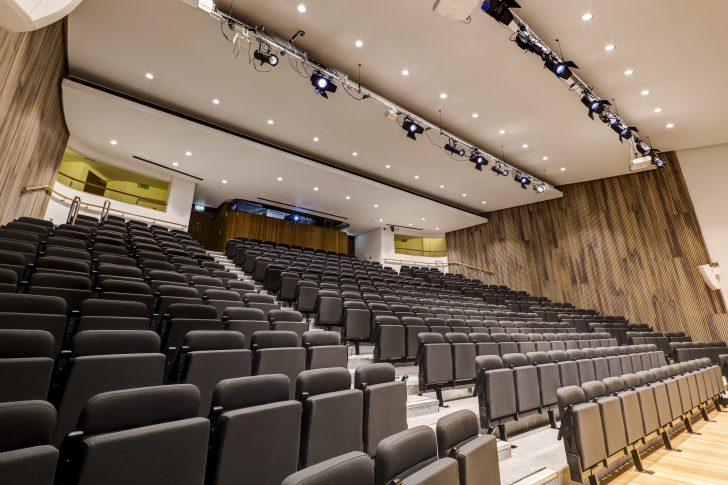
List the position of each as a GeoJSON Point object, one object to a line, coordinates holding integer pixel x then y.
{"type": "Point", "coordinates": [231, 224]}
{"type": "Point", "coordinates": [33, 132]}
{"type": "Point", "coordinates": [627, 245]}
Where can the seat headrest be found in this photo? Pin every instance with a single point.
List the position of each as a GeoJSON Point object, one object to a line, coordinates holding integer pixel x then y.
{"type": "Point", "coordinates": [488, 362]}
{"type": "Point", "coordinates": [241, 285]}
{"type": "Point", "coordinates": [594, 389]}
{"type": "Point", "coordinates": [322, 381]}
{"type": "Point", "coordinates": [244, 392]}
{"type": "Point", "coordinates": [266, 339]}
{"type": "Point", "coordinates": [354, 466]}
{"type": "Point", "coordinates": [535, 337]}
{"type": "Point", "coordinates": [614, 384]}
{"type": "Point", "coordinates": [212, 294]}
{"type": "Point", "coordinates": [457, 338]}
{"type": "Point", "coordinates": [575, 354]}
{"type": "Point", "coordinates": [285, 316]}
{"type": "Point", "coordinates": [477, 337]}
{"type": "Point", "coordinates": [386, 320]}
{"type": "Point", "coordinates": [590, 353]}
{"type": "Point", "coordinates": [258, 298]}
{"type": "Point", "coordinates": [537, 358]}
{"type": "Point", "coordinates": [412, 321]}
{"type": "Point", "coordinates": [237, 313]}
{"type": "Point", "coordinates": [110, 342]}
{"type": "Point", "coordinates": [124, 286]}
{"type": "Point", "coordinates": [455, 429]}
{"type": "Point", "coordinates": [404, 450]}
{"type": "Point", "coordinates": [192, 311]}
{"type": "Point", "coordinates": [161, 275]}
{"type": "Point", "coordinates": [435, 322]}
{"type": "Point", "coordinates": [134, 408]}
{"type": "Point", "coordinates": [570, 396]}
{"type": "Point", "coordinates": [26, 424]}
{"type": "Point", "coordinates": [373, 374]}
{"type": "Point", "coordinates": [430, 338]}
{"type": "Point", "coordinates": [178, 291]}
{"type": "Point", "coordinates": [25, 303]}
{"type": "Point", "coordinates": [198, 340]}
{"type": "Point", "coordinates": [631, 381]}
{"type": "Point", "coordinates": [455, 322]}
{"type": "Point", "coordinates": [26, 343]}
{"type": "Point", "coordinates": [328, 294]}
{"type": "Point", "coordinates": [519, 337]}
{"type": "Point", "coordinates": [94, 307]}
{"type": "Point", "coordinates": [557, 356]}
{"type": "Point", "coordinates": [515, 360]}
{"type": "Point", "coordinates": [206, 280]}
{"type": "Point", "coordinates": [317, 338]}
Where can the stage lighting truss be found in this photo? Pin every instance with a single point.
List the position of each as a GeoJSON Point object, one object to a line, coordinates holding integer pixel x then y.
{"type": "Point", "coordinates": [323, 79]}
{"type": "Point", "coordinates": [527, 40]}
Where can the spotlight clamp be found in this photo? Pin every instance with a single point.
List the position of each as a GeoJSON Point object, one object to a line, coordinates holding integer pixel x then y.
{"type": "Point", "coordinates": [286, 47]}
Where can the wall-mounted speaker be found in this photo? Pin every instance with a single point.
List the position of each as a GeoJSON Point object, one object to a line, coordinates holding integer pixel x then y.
{"type": "Point", "coordinates": [711, 275]}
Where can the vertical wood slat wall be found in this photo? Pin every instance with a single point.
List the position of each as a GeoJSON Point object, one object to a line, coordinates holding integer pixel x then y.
{"type": "Point", "coordinates": [33, 132]}
{"type": "Point", "coordinates": [627, 245]}
{"type": "Point", "coordinates": [230, 224]}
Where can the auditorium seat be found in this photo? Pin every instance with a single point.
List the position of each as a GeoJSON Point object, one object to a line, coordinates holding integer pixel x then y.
{"type": "Point", "coordinates": [389, 338]}
{"type": "Point", "coordinates": [405, 453]}
{"type": "Point", "coordinates": [145, 436]}
{"type": "Point", "coordinates": [27, 456]}
{"type": "Point", "coordinates": [73, 289]}
{"type": "Point", "coordinates": [35, 312]}
{"type": "Point", "coordinates": [26, 364]}
{"type": "Point", "coordinates": [287, 319]}
{"type": "Point", "coordinates": [125, 290]}
{"type": "Point", "coordinates": [495, 388]}
{"type": "Point", "coordinates": [277, 352]}
{"type": "Point", "coordinates": [100, 314]}
{"type": "Point", "coordinates": [324, 350]}
{"type": "Point", "coordinates": [435, 365]}
{"type": "Point", "coordinates": [354, 468]}
{"type": "Point", "coordinates": [221, 299]}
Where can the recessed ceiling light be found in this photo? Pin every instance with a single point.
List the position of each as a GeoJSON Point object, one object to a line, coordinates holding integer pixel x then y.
{"type": "Point", "coordinates": [464, 194]}
{"type": "Point", "coordinates": [405, 72]}
{"type": "Point", "coordinates": [628, 72]}
{"type": "Point", "coordinates": [475, 115]}
{"type": "Point", "coordinates": [437, 228]}
{"type": "Point", "coordinates": [417, 177]}
{"type": "Point", "coordinates": [424, 219]}
{"type": "Point", "coordinates": [443, 95]}
{"type": "Point", "coordinates": [376, 205]}
{"type": "Point", "coordinates": [359, 43]}
{"type": "Point", "coordinates": [149, 76]}
{"type": "Point", "coordinates": [348, 197]}
{"type": "Point", "coordinates": [563, 169]}
{"type": "Point", "coordinates": [525, 145]}
{"type": "Point", "coordinates": [215, 101]}
{"type": "Point", "coordinates": [610, 47]}
{"type": "Point", "coordinates": [315, 139]}
{"type": "Point", "coordinates": [545, 158]}
{"type": "Point", "coordinates": [381, 220]}
{"type": "Point", "coordinates": [280, 179]}
{"type": "Point", "coordinates": [354, 154]}
{"type": "Point", "coordinates": [645, 92]}
{"type": "Point", "coordinates": [670, 125]}
{"type": "Point", "coordinates": [224, 181]}
{"type": "Point", "coordinates": [315, 189]}
{"type": "Point", "coordinates": [301, 8]}
{"type": "Point", "coordinates": [175, 164]}
{"type": "Point", "coordinates": [484, 202]}
{"type": "Point", "coordinates": [442, 186]}
{"type": "Point", "coordinates": [410, 224]}
{"type": "Point", "coordinates": [114, 142]}
{"type": "Point", "coordinates": [658, 110]}
{"type": "Point", "coordinates": [188, 153]}
{"type": "Point", "coordinates": [387, 166]}
{"type": "Point", "coordinates": [587, 17]}
{"type": "Point", "coordinates": [271, 122]}
{"type": "Point", "coordinates": [502, 132]}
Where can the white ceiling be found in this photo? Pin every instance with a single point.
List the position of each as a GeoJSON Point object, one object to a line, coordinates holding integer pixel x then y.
{"type": "Point", "coordinates": [95, 117]}
{"type": "Point", "coordinates": [115, 43]}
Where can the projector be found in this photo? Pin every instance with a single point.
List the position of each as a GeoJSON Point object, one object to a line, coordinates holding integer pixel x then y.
{"type": "Point", "coordinates": [455, 9]}
{"type": "Point", "coordinates": [641, 164]}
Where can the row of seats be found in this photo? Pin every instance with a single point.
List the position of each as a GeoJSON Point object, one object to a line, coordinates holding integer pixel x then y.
{"type": "Point", "coordinates": [603, 420]}
{"type": "Point", "coordinates": [453, 454]}
{"type": "Point", "coordinates": [255, 432]}
{"type": "Point", "coordinates": [519, 385]}
{"type": "Point", "coordinates": [685, 351]}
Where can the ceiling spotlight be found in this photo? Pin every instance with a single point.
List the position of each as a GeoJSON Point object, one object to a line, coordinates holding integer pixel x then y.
{"type": "Point", "coordinates": [175, 164]}
{"type": "Point", "coordinates": [464, 194]}
{"type": "Point", "coordinates": [354, 154]}
{"type": "Point", "coordinates": [424, 219]}
{"type": "Point", "coordinates": [271, 122]}
{"type": "Point", "coordinates": [500, 170]}
{"type": "Point", "coordinates": [417, 177]}
{"type": "Point", "coordinates": [645, 92]}
{"type": "Point", "coordinates": [188, 153]}
{"type": "Point", "coordinates": [348, 197]}
{"type": "Point", "coordinates": [478, 159]}
{"type": "Point", "coordinates": [359, 43]}
{"type": "Point", "coordinates": [629, 72]}
{"type": "Point", "coordinates": [563, 169]}
{"type": "Point", "coordinates": [587, 17]}
{"type": "Point", "coordinates": [526, 41]}
{"type": "Point", "coordinates": [442, 186]}
{"type": "Point", "coordinates": [412, 128]}
{"type": "Point", "coordinates": [610, 47]}
{"type": "Point", "coordinates": [224, 181]}
{"type": "Point", "coordinates": [322, 84]}
{"type": "Point", "coordinates": [114, 142]}
{"type": "Point", "coordinates": [525, 145]}
{"type": "Point", "coordinates": [315, 189]}
{"type": "Point", "coordinates": [656, 160]}
{"type": "Point", "coordinates": [443, 95]}
{"type": "Point", "coordinates": [315, 139]}
{"type": "Point", "coordinates": [387, 166]}
{"type": "Point", "coordinates": [381, 220]}
{"type": "Point", "coordinates": [475, 115]}
{"type": "Point", "coordinates": [624, 131]}
{"type": "Point", "coordinates": [522, 179]}
{"type": "Point", "coordinates": [280, 179]}
{"type": "Point", "coordinates": [544, 158]}
{"type": "Point", "coordinates": [405, 72]}
{"type": "Point", "coordinates": [149, 76]}
{"type": "Point", "coordinates": [484, 202]}
{"type": "Point", "coordinates": [562, 69]}
{"type": "Point", "coordinates": [215, 101]}
{"type": "Point", "coordinates": [265, 58]}
{"type": "Point", "coordinates": [594, 104]}
{"type": "Point", "coordinates": [376, 206]}
{"type": "Point", "coordinates": [301, 8]}
{"type": "Point", "coordinates": [539, 188]}
{"type": "Point", "coordinates": [410, 224]}
{"type": "Point", "coordinates": [670, 126]}
{"type": "Point", "coordinates": [437, 228]}
{"type": "Point", "coordinates": [658, 110]}
{"type": "Point", "coordinates": [455, 150]}
{"type": "Point", "coordinates": [642, 148]}
{"type": "Point", "coordinates": [500, 9]}
{"type": "Point", "coordinates": [502, 132]}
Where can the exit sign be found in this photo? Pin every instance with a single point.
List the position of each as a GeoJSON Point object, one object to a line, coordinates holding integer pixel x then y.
{"type": "Point", "coordinates": [143, 186]}
{"type": "Point", "coordinates": [199, 208]}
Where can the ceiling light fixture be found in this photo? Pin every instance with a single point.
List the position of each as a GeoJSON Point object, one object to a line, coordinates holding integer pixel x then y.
{"type": "Point", "coordinates": [301, 8]}
{"type": "Point", "coordinates": [265, 58]}
{"type": "Point", "coordinates": [188, 153]}
{"type": "Point", "coordinates": [525, 145]}
{"type": "Point", "coordinates": [315, 189]}
{"type": "Point", "coordinates": [410, 224]}
{"type": "Point", "coordinates": [412, 128]}
{"type": "Point", "coordinates": [594, 104]}
{"type": "Point", "coordinates": [658, 110]}
{"type": "Point", "coordinates": [215, 101]}
{"type": "Point", "coordinates": [175, 164]}
{"type": "Point", "coordinates": [114, 142]}
{"type": "Point", "coordinates": [424, 219]}
{"type": "Point", "coordinates": [224, 181]}
{"type": "Point", "coordinates": [563, 169]}
{"type": "Point", "coordinates": [443, 95]}
{"type": "Point", "coordinates": [645, 92]}
{"type": "Point", "coordinates": [376, 206]}
{"type": "Point", "coordinates": [453, 148]}
{"type": "Point", "coordinates": [502, 132]}
{"type": "Point", "coordinates": [359, 43]}
{"type": "Point", "coordinates": [545, 158]}
{"type": "Point", "coordinates": [539, 188]}
{"type": "Point", "coordinates": [670, 126]}
{"type": "Point", "coordinates": [500, 170]}
{"type": "Point", "coordinates": [381, 220]}
{"type": "Point", "coordinates": [500, 10]}
{"type": "Point", "coordinates": [464, 194]}
{"type": "Point", "coordinates": [417, 177]}
{"type": "Point", "coordinates": [478, 159]}
{"type": "Point", "coordinates": [280, 179]}
{"type": "Point", "coordinates": [354, 154]}
{"type": "Point", "coordinates": [315, 139]}
{"type": "Point", "coordinates": [437, 228]}
{"type": "Point", "coordinates": [522, 179]}
{"type": "Point", "coordinates": [271, 122]}
{"type": "Point", "coordinates": [475, 115]}
{"type": "Point", "coordinates": [387, 166]}
{"type": "Point", "coordinates": [484, 202]}
{"type": "Point", "coordinates": [629, 72]}
{"type": "Point", "coordinates": [587, 17]}
{"type": "Point", "coordinates": [348, 197]}
{"type": "Point", "coordinates": [405, 72]}
{"type": "Point", "coordinates": [610, 47]}
{"type": "Point", "coordinates": [442, 186]}
{"type": "Point", "coordinates": [322, 84]}
{"type": "Point", "coordinates": [149, 76]}
{"type": "Point", "coordinates": [562, 69]}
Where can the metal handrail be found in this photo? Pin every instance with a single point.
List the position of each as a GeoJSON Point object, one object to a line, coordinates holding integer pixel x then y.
{"type": "Point", "coordinates": [51, 191]}
{"type": "Point", "coordinates": [137, 197]}
{"type": "Point", "coordinates": [437, 264]}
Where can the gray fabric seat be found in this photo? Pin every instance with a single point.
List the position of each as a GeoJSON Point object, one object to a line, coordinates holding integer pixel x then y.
{"type": "Point", "coordinates": [113, 289]}
{"type": "Point", "coordinates": [73, 289]}
{"type": "Point", "coordinates": [434, 361]}
{"type": "Point", "coordinates": [332, 414]}
{"type": "Point", "coordinates": [277, 352]}
{"type": "Point", "coordinates": [356, 325]}
{"type": "Point", "coordinates": [441, 472]}
{"type": "Point", "coordinates": [483, 344]}
{"type": "Point", "coordinates": [221, 299]}
{"type": "Point", "coordinates": [209, 357]}
{"type": "Point", "coordinates": [323, 350]}
{"type": "Point", "coordinates": [631, 411]}
{"type": "Point", "coordinates": [405, 453]}
{"type": "Point", "coordinates": [610, 408]}
{"type": "Point", "coordinates": [568, 372]}
{"type": "Point", "coordinates": [389, 339]}
{"type": "Point", "coordinates": [262, 302]}
{"type": "Point", "coordinates": [477, 456]}
{"type": "Point", "coordinates": [26, 454]}
{"type": "Point", "coordinates": [254, 406]}
{"type": "Point", "coordinates": [548, 382]}
{"type": "Point", "coordinates": [26, 364]}
{"type": "Point", "coordinates": [413, 326]}
{"type": "Point", "coordinates": [34, 312]}
{"type": "Point", "coordinates": [525, 376]}
{"type": "Point", "coordinates": [463, 358]}
{"type": "Point", "coordinates": [495, 388]}
{"type": "Point", "coordinates": [385, 403]}
{"type": "Point", "coordinates": [287, 319]}
{"type": "Point", "coordinates": [106, 360]}
{"type": "Point", "coordinates": [354, 468]}
{"type": "Point", "coordinates": [144, 436]}
{"type": "Point", "coordinates": [102, 314]}
{"type": "Point", "coordinates": [328, 308]}
{"type": "Point", "coordinates": [184, 318]}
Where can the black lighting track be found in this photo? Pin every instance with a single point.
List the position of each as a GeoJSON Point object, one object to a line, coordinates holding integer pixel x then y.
{"type": "Point", "coordinates": [167, 168]}
{"type": "Point", "coordinates": [342, 218]}
{"type": "Point", "coordinates": [229, 131]}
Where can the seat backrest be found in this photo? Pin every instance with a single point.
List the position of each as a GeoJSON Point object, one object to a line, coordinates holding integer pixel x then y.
{"type": "Point", "coordinates": [277, 352]}
{"type": "Point", "coordinates": [123, 427]}
{"type": "Point", "coordinates": [354, 468]}
{"type": "Point", "coordinates": [404, 453]}
{"type": "Point", "coordinates": [26, 364]}
{"type": "Point", "coordinates": [455, 429]}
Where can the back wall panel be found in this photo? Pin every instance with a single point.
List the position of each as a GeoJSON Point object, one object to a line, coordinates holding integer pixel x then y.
{"type": "Point", "coordinates": [627, 245]}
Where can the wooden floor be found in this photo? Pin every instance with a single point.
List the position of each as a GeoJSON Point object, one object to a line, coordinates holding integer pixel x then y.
{"type": "Point", "coordinates": [703, 460]}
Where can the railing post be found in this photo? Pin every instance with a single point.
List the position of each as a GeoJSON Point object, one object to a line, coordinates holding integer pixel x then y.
{"type": "Point", "coordinates": [73, 210]}
{"type": "Point", "coordinates": [105, 210]}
